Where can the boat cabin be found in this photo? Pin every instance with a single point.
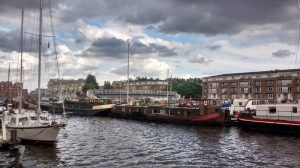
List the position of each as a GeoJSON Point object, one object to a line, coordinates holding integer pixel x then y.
{"type": "Point", "coordinates": [279, 111]}
{"type": "Point", "coordinates": [239, 105]}
{"type": "Point", "coordinates": [27, 119]}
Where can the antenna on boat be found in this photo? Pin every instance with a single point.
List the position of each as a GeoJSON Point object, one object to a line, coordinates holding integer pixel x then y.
{"type": "Point", "coordinates": [40, 57]}
{"type": "Point", "coordinates": [127, 98]}
{"type": "Point", "coordinates": [21, 71]}
{"type": "Point", "coordinates": [8, 78]}
{"type": "Point", "coordinates": [57, 65]}
{"type": "Point", "coordinates": [298, 31]}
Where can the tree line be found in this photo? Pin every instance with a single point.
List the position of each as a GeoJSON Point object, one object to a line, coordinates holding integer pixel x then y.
{"type": "Point", "coordinates": [189, 88]}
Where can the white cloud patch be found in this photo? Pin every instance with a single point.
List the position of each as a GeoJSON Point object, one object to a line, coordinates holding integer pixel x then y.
{"type": "Point", "coordinates": [150, 67]}
{"type": "Point", "coordinates": [199, 59]}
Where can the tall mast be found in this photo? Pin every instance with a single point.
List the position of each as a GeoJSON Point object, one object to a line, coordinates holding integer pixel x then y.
{"type": "Point", "coordinates": [168, 87]}
{"type": "Point", "coordinates": [40, 57]}
{"type": "Point", "coordinates": [21, 73]}
{"type": "Point", "coordinates": [8, 82]}
{"type": "Point", "coordinates": [128, 74]}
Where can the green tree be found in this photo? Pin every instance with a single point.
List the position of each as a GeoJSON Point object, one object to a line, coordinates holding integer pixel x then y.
{"type": "Point", "coordinates": [107, 85]}
{"type": "Point", "coordinates": [187, 87]}
{"type": "Point", "coordinates": [90, 83]}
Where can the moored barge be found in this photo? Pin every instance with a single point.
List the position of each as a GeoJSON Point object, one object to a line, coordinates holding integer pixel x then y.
{"type": "Point", "coordinates": [170, 114]}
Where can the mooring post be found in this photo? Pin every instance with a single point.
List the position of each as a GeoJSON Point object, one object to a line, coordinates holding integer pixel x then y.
{"type": "Point", "coordinates": [3, 131]}
{"type": "Point", "coordinates": [14, 140]}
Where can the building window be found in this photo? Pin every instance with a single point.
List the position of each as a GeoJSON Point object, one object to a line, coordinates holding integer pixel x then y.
{"type": "Point", "coordinates": [294, 109]}
{"type": "Point", "coordinates": [272, 110]}
{"type": "Point", "coordinates": [233, 84]}
{"type": "Point", "coordinates": [258, 89]}
{"type": "Point", "coordinates": [285, 89]}
{"type": "Point", "coordinates": [269, 83]}
{"type": "Point", "coordinates": [214, 85]}
{"type": "Point", "coordinates": [224, 84]}
{"type": "Point", "coordinates": [285, 82]}
{"type": "Point", "coordinates": [224, 90]}
{"type": "Point", "coordinates": [270, 89]}
{"type": "Point", "coordinates": [257, 83]}
{"type": "Point", "coordinates": [245, 90]}
{"type": "Point", "coordinates": [270, 96]}
{"type": "Point", "coordinates": [245, 84]}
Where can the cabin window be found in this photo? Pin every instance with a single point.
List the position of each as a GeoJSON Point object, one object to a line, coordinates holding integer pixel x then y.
{"type": "Point", "coordinates": [272, 110]}
{"type": "Point", "coordinates": [172, 112]}
{"type": "Point", "coordinates": [155, 111]}
{"type": "Point", "coordinates": [13, 120]}
{"type": "Point", "coordinates": [123, 109]}
{"type": "Point", "coordinates": [294, 109]}
{"type": "Point", "coordinates": [33, 118]}
{"type": "Point", "coordinates": [44, 118]}
{"type": "Point", "coordinates": [23, 119]}
{"type": "Point", "coordinates": [163, 111]}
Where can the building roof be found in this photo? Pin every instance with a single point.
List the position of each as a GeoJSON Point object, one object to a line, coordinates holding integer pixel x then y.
{"type": "Point", "coordinates": [62, 81]}
{"type": "Point", "coordinates": [257, 72]}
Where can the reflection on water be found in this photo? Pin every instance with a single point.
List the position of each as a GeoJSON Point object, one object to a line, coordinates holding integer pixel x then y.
{"type": "Point", "coordinates": [106, 142]}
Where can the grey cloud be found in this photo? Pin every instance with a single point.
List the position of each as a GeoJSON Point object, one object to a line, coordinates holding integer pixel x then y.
{"type": "Point", "coordinates": [244, 58]}
{"type": "Point", "coordinates": [4, 58]}
{"type": "Point", "coordinates": [200, 60]}
{"type": "Point", "coordinates": [214, 47]}
{"type": "Point", "coordinates": [12, 8]}
{"type": "Point", "coordinates": [174, 16]}
{"type": "Point", "coordinates": [10, 41]}
{"type": "Point", "coordinates": [117, 48]}
{"type": "Point", "coordinates": [282, 53]}
{"type": "Point", "coordinates": [122, 70]}
{"type": "Point", "coordinates": [202, 16]}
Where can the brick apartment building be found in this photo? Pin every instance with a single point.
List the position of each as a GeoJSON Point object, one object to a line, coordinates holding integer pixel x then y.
{"type": "Point", "coordinates": [9, 89]}
{"type": "Point", "coordinates": [274, 85]}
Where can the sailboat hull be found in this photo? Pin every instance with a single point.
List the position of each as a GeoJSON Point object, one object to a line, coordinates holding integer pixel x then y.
{"type": "Point", "coordinates": [47, 134]}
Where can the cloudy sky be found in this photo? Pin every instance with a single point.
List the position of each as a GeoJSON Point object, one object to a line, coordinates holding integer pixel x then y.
{"type": "Point", "coordinates": [191, 38]}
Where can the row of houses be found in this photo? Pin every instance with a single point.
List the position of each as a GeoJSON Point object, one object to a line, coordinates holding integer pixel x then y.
{"type": "Point", "coordinates": [71, 88]}
{"type": "Point", "coordinates": [275, 85]}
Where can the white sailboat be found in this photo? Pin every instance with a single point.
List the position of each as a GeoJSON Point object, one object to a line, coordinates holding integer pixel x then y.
{"type": "Point", "coordinates": [33, 125]}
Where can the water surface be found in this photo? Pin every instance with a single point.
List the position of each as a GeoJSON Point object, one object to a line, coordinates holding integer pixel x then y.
{"type": "Point", "coordinates": [108, 142]}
